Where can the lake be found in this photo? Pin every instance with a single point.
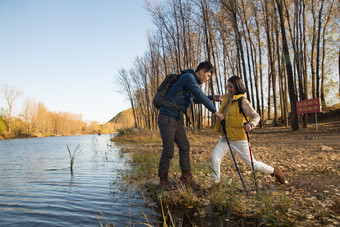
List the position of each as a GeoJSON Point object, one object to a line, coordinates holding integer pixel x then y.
{"type": "Point", "coordinates": [38, 189]}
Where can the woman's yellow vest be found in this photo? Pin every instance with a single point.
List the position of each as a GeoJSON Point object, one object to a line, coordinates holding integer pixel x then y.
{"type": "Point", "coordinates": [234, 119]}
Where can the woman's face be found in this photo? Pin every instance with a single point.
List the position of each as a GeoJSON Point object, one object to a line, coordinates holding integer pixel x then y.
{"type": "Point", "coordinates": [231, 89]}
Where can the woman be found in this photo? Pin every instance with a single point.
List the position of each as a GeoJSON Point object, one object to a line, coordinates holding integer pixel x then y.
{"type": "Point", "coordinates": [236, 131]}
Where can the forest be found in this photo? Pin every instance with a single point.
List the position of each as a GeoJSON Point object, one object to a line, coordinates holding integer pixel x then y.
{"type": "Point", "coordinates": [36, 120]}
{"type": "Point", "coordinates": [283, 50]}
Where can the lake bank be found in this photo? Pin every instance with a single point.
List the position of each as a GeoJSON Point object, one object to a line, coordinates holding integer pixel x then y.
{"type": "Point", "coordinates": [310, 160]}
{"type": "Point", "coordinates": [23, 136]}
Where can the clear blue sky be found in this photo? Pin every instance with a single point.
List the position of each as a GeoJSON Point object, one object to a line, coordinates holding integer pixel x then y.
{"type": "Point", "coordinates": [65, 53]}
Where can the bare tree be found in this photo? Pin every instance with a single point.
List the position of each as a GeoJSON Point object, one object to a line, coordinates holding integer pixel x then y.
{"type": "Point", "coordinates": [11, 94]}
{"type": "Point", "coordinates": [327, 21]}
{"type": "Point", "coordinates": [124, 82]}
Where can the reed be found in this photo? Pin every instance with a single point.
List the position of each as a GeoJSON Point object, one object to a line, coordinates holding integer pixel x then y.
{"type": "Point", "coordinates": [73, 155]}
{"type": "Point", "coordinates": [94, 144]}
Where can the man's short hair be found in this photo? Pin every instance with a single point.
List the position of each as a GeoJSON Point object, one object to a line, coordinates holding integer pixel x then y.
{"type": "Point", "coordinates": [206, 66]}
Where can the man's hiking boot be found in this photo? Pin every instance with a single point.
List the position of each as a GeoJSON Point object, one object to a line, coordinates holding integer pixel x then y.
{"type": "Point", "coordinates": [186, 178]}
{"type": "Point", "coordinates": [279, 175]}
{"type": "Point", "coordinates": [165, 183]}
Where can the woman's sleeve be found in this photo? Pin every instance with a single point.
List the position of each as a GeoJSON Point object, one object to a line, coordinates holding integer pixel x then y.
{"type": "Point", "coordinates": [249, 111]}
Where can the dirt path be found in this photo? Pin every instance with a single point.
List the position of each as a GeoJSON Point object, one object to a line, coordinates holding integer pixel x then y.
{"type": "Point", "coordinates": [310, 160]}
{"type": "Point", "coordinates": [328, 134]}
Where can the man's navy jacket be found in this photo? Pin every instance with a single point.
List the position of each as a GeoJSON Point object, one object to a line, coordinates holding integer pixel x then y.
{"type": "Point", "coordinates": [188, 86]}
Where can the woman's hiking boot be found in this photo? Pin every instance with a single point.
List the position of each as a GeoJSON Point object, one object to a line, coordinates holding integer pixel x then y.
{"type": "Point", "coordinates": [186, 178]}
{"type": "Point", "coordinates": [165, 183]}
{"type": "Point", "coordinates": [279, 175]}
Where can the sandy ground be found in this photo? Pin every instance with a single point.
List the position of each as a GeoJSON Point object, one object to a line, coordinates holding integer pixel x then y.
{"type": "Point", "coordinates": [310, 160]}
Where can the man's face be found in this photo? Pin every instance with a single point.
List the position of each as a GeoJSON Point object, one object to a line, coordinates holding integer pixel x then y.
{"type": "Point", "coordinates": [203, 76]}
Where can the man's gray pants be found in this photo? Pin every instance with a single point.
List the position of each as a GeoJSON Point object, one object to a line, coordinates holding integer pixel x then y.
{"type": "Point", "coordinates": [173, 131]}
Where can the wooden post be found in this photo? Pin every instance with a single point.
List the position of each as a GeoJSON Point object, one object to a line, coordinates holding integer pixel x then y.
{"type": "Point", "coordinates": [316, 121]}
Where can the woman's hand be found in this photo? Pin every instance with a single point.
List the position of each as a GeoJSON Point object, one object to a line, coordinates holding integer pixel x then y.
{"type": "Point", "coordinates": [247, 127]}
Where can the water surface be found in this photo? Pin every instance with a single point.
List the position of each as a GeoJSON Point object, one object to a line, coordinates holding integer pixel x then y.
{"type": "Point", "coordinates": [37, 188]}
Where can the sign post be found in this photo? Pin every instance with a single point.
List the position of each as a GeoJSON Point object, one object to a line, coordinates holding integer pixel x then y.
{"type": "Point", "coordinates": [309, 106]}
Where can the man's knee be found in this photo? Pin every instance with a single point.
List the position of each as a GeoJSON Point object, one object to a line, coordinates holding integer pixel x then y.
{"type": "Point", "coordinates": [167, 154]}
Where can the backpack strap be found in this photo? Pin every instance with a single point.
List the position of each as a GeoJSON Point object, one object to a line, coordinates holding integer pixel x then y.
{"type": "Point", "coordinates": [181, 111]}
{"type": "Point", "coordinates": [239, 100]}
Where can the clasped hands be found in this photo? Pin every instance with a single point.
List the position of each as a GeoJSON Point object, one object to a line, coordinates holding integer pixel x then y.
{"type": "Point", "coordinates": [218, 98]}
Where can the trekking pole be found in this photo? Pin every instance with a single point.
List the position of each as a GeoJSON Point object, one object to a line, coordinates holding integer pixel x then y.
{"type": "Point", "coordinates": [251, 159]}
{"type": "Point", "coordinates": [226, 137]}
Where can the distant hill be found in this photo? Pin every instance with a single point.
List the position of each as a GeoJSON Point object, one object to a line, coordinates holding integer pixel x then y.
{"type": "Point", "coordinates": [123, 119]}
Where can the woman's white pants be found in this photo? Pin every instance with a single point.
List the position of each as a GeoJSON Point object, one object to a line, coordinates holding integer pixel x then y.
{"type": "Point", "coordinates": [242, 148]}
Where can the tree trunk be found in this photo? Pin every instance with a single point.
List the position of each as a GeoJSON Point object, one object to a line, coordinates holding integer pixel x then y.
{"type": "Point", "coordinates": [305, 76]}
{"type": "Point", "coordinates": [323, 101]}
{"type": "Point", "coordinates": [318, 52]}
{"type": "Point", "coordinates": [291, 88]}
{"type": "Point", "coordinates": [270, 57]}
{"type": "Point", "coordinates": [312, 53]}
{"type": "Point", "coordinates": [261, 105]}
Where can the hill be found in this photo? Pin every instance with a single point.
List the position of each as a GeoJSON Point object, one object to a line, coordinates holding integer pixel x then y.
{"type": "Point", "coordinates": [123, 119]}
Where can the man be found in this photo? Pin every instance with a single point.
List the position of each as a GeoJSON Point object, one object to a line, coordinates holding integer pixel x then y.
{"type": "Point", "coordinates": [170, 121]}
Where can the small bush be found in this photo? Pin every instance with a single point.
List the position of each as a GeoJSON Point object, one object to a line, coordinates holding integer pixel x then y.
{"type": "Point", "coordinates": [136, 136]}
{"type": "Point", "coordinates": [134, 132]}
{"type": "Point", "coordinates": [125, 131]}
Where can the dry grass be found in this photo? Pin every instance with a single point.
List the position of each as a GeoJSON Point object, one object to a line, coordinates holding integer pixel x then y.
{"type": "Point", "coordinates": [307, 199]}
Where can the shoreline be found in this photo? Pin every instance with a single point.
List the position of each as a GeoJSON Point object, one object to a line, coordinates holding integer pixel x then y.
{"type": "Point", "coordinates": [43, 136]}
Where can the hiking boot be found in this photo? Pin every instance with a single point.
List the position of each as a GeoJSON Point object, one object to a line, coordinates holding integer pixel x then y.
{"type": "Point", "coordinates": [186, 178]}
{"type": "Point", "coordinates": [165, 183]}
{"type": "Point", "coordinates": [279, 175]}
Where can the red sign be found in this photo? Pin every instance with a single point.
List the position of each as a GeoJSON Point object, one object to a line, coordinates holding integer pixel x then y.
{"type": "Point", "coordinates": [308, 106]}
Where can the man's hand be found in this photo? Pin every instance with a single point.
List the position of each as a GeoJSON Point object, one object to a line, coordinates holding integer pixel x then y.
{"type": "Point", "coordinates": [217, 98]}
{"type": "Point", "coordinates": [219, 116]}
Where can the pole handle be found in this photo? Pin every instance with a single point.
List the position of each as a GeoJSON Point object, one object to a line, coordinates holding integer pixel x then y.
{"type": "Point", "coordinates": [223, 127]}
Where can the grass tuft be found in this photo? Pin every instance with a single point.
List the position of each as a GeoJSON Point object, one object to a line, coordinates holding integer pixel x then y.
{"type": "Point", "coordinates": [73, 155]}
